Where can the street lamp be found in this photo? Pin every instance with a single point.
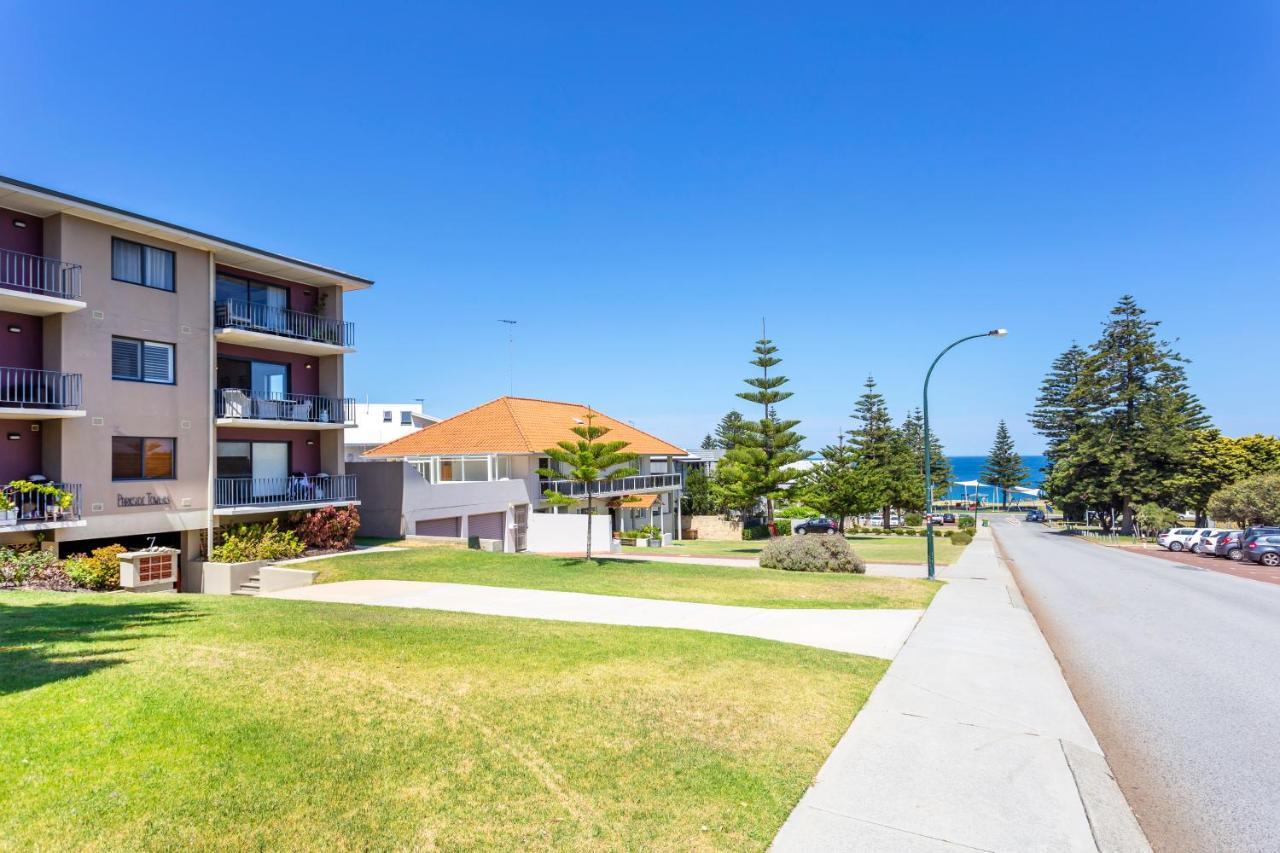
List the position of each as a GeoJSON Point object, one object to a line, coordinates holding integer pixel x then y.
{"type": "Point", "coordinates": [928, 469]}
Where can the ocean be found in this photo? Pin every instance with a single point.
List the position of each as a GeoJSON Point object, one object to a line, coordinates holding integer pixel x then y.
{"type": "Point", "coordinates": [970, 468]}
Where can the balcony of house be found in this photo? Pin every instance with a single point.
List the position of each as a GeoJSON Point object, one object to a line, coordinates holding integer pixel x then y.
{"type": "Point", "coordinates": [258, 495]}
{"type": "Point", "coordinates": [38, 286]}
{"type": "Point", "coordinates": [29, 506]}
{"type": "Point", "coordinates": [244, 408]}
{"type": "Point", "coordinates": [272, 327]}
{"type": "Point", "coordinates": [36, 395]}
{"type": "Point", "coordinates": [609, 487]}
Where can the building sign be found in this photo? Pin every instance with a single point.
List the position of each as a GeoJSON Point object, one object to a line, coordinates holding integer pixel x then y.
{"type": "Point", "coordinates": [149, 499]}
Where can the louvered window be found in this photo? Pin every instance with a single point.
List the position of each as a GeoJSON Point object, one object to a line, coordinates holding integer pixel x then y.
{"type": "Point", "coordinates": [141, 361]}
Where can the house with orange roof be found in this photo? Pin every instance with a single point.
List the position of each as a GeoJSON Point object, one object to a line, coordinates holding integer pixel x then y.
{"type": "Point", "coordinates": [474, 475]}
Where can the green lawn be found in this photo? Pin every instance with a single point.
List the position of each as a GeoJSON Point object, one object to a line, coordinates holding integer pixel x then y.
{"type": "Point", "coordinates": [149, 721]}
{"type": "Point", "coordinates": [872, 548]}
{"type": "Point", "coordinates": [749, 587]}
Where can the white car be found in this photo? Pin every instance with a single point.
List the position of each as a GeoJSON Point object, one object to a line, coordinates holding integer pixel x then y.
{"type": "Point", "coordinates": [1180, 538]}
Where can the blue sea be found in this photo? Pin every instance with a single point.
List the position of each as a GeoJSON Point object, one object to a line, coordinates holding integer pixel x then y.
{"type": "Point", "coordinates": [970, 468]}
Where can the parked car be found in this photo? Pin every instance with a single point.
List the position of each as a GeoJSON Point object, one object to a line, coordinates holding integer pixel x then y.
{"type": "Point", "coordinates": [1201, 544]}
{"type": "Point", "coordinates": [1180, 538]}
{"type": "Point", "coordinates": [1208, 543]}
{"type": "Point", "coordinates": [1228, 545]}
{"type": "Point", "coordinates": [1250, 532]}
{"type": "Point", "coordinates": [1264, 549]}
{"type": "Point", "coordinates": [817, 525]}
{"type": "Point", "coordinates": [948, 518]}
{"type": "Point", "coordinates": [1035, 515]}
{"type": "Point", "coordinates": [933, 518]}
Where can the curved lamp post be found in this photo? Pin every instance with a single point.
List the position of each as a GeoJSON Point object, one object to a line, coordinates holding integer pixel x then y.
{"type": "Point", "coordinates": [928, 469]}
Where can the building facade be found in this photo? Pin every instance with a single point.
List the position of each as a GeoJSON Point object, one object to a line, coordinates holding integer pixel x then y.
{"type": "Point", "coordinates": [157, 382]}
{"type": "Point", "coordinates": [379, 423]}
{"type": "Point", "coordinates": [477, 475]}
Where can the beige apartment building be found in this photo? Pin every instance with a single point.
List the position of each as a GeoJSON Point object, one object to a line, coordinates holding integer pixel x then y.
{"type": "Point", "coordinates": [170, 381]}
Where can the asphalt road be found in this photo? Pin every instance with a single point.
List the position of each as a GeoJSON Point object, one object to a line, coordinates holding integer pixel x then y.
{"type": "Point", "coordinates": [1177, 671]}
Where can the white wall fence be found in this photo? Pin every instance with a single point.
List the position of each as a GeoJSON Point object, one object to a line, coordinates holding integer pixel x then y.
{"type": "Point", "coordinates": [566, 533]}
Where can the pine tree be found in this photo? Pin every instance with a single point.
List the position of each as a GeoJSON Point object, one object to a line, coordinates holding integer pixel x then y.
{"type": "Point", "coordinates": [1004, 467]}
{"type": "Point", "coordinates": [836, 486]}
{"type": "Point", "coordinates": [1058, 414]}
{"type": "Point", "coordinates": [912, 431]}
{"type": "Point", "coordinates": [729, 431]}
{"type": "Point", "coordinates": [708, 443]}
{"type": "Point", "coordinates": [884, 455]}
{"type": "Point", "coordinates": [754, 467]}
{"type": "Point", "coordinates": [586, 461]}
{"type": "Point", "coordinates": [1138, 420]}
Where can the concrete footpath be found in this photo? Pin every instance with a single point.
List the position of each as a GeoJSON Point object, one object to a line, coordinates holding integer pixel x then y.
{"type": "Point", "coordinates": [972, 741]}
{"type": "Point", "coordinates": [878, 633]}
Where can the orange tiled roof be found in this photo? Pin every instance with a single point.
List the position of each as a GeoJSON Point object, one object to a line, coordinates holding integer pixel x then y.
{"type": "Point", "coordinates": [517, 425]}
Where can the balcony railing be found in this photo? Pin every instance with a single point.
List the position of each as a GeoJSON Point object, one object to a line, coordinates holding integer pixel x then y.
{"type": "Point", "coordinates": [267, 492]}
{"type": "Point", "coordinates": [39, 389]}
{"type": "Point", "coordinates": [293, 408]}
{"type": "Point", "coordinates": [238, 314]}
{"type": "Point", "coordinates": [621, 485]}
{"type": "Point", "coordinates": [41, 276]}
{"type": "Point", "coordinates": [35, 507]}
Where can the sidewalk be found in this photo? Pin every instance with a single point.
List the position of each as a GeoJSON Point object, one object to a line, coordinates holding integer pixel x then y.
{"type": "Point", "coordinates": [878, 633]}
{"type": "Point", "coordinates": [972, 741]}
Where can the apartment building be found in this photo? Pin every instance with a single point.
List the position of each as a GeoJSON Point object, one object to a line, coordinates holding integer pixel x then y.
{"type": "Point", "coordinates": [157, 382]}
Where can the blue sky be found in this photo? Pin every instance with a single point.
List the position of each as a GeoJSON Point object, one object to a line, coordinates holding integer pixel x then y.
{"type": "Point", "coordinates": [638, 187]}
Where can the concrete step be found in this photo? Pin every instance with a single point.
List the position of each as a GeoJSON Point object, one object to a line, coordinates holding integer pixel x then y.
{"type": "Point", "coordinates": [243, 591]}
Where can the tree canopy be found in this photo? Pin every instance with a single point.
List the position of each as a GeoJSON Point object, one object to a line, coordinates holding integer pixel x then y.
{"type": "Point", "coordinates": [1004, 467]}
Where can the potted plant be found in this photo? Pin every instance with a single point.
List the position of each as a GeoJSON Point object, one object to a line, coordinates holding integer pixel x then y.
{"type": "Point", "coordinates": [7, 507]}
{"type": "Point", "coordinates": [655, 536]}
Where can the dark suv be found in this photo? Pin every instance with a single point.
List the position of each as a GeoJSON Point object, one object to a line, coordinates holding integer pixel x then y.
{"type": "Point", "coordinates": [816, 525]}
{"type": "Point", "coordinates": [1264, 549]}
{"type": "Point", "coordinates": [1035, 515]}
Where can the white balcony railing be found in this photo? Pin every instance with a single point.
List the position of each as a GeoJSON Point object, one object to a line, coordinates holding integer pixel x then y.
{"type": "Point", "coordinates": [21, 387]}
{"type": "Point", "coordinates": [267, 319]}
{"type": "Point", "coordinates": [238, 403]}
{"type": "Point", "coordinates": [615, 486]}
{"type": "Point", "coordinates": [266, 492]}
{"type": "Point", "coordinates": [40, 276]}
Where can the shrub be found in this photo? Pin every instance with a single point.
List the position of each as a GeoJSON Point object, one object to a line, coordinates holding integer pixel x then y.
{"type": "Point", "coordinates": [812, 554]}
{"type": "Point", "coordinates": [961, 538]}
{"type": "Point", "coordinates": [649, 531]}
{"type": "Point", "coordinates": [761, 531]}
{"type": "Point", "coordinates": [913, 519]}
{"type": "Point", "coordinates": [330, 528]}
{"type": "Point", "coordinates": [99, 570]}
{"type": "Point", "coordinates": [797, 511]}
{"type": "Point", "coordinates": [966, 522]}
{"type": "Point", "coordinates": [249, 542]}
{"type": "Point", "coordinates": [18, 567]}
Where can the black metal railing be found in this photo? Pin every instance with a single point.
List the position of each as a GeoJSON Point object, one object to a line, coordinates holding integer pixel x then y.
{"type": "Point", "coordinates": [621, 485]}
{"type": "Point", "coordinates": [38, 506]}
{"type": "Point", "coordinates": [41, 276]}
{"type": "Point", "coordinates": [39, 389]}
{"type": "Point", "coordinates": [250, 316]}
{"type": "Point", "coordinates": [281, 491]}
{"type": "Point", "coordinates": [294, 408]}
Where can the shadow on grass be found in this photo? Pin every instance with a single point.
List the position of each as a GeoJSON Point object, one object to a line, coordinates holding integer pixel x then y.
{"type": "Point", "coordinates": [46, 642]}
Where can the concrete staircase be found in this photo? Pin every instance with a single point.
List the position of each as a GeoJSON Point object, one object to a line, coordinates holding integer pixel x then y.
{"type": "Point", "coordinates": [250, 587]}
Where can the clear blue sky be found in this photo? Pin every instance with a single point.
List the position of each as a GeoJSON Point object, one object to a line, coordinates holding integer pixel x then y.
{"type": "Point", "coordinates": [639, 187]}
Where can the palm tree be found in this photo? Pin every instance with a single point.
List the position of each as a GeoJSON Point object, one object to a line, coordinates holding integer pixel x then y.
{"type": "Point", "coordinates": [586, 461]}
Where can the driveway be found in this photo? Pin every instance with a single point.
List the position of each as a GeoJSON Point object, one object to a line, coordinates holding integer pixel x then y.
{"type": "Point", "coordinates": [876, 633]}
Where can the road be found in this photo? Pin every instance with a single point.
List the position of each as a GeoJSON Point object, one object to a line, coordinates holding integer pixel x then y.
{"type": "Point", "coordinates": [1177, 670]}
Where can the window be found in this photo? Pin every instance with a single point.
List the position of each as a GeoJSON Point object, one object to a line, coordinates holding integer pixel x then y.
{"type": "Point", "coordinates": [138, 264]}
{"type": "Point", "coordinates": [141, 361]}
{"type": "Point", "coordinates": [265, 380]}
{"type": "Point", "coordinates": [658, 465]}
{"type": "Point", "coordinates": [473, 469]}
{"type": "Point", "coordinates": [406, 419]}
{"type": "Point", "coordinates": [253, 292]}
{"type": "Point", "coordinates": [142, 458]}
{"type": "Point", "coordinates": [386, 416]}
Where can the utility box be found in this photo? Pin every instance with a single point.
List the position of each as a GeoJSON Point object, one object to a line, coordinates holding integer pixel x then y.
{"type": "Point", "coordinates": [152, 570]}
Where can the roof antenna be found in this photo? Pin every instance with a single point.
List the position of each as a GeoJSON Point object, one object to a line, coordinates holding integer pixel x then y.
{"type": "Point", "coordinates": [511, 361]}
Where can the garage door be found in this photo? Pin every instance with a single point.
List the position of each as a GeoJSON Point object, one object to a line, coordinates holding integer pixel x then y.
{"type": "Point", "coordinates": [438, 527]}
{"type": "Point", "coordinates": [488, 526]}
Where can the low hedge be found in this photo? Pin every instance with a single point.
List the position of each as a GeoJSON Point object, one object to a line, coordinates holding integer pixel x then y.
{"type": "Point", "coordinates": [761, 531]}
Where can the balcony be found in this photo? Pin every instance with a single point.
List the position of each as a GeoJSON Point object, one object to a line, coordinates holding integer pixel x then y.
{"type": "Point", "coordinates": [36, 510]}
{"type": "Point", "coordinates": [236, 407]}
{"type": "Point", "coordinates": [250, 495]}
{"type": "Point", "coordinates": [251, 324]}
{"type": "Point", "coordinates": [30, 284]}
{"type": "Point", "coordinates": [36, 395]}
{"type": "Point", "coordinates": [619, 486]}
